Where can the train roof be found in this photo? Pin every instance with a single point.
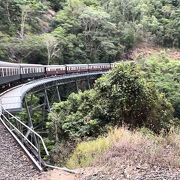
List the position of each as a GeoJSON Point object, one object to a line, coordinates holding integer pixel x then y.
{"type": "Point", "coordinates": [76, 64]}
{"type": "Point", "coordinates": [31, 65]}
{"type": "Point", "coordinates": [99, 64]}
{"type": "Point", "coordinates": [53, 65]}
{"type": "Point", "coordinates": [8, 64]}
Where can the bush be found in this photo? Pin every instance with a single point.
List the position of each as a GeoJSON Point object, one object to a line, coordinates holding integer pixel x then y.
{"type": "Point", "coordinates": [121, 146]}
{"type": "Point", "coordinates": [165, 74]}
{"type": "Point", "coordinates": [122, 96]}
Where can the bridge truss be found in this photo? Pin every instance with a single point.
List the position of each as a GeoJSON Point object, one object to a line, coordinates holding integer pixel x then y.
{"type": "Point", "coordinates": [24, 133]}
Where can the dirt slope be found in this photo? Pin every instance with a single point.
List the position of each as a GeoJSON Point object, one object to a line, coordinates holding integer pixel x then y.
{"type": "Point", "coordinates": [146, 50]}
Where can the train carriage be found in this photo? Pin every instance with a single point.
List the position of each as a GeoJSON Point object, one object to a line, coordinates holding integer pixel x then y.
{"type": "Point", "coordinates": [99, 67]}
{"type": "Point", "coordinates": [76, 68]}
{"type": "Point", "coordinates": [32, 71]}
{"type": "Point", "coordinates": [12, 72]}
{"type": "Point", "coordinates": [55, 69]}
{"type": "Point", "coordinates": [9, 72]}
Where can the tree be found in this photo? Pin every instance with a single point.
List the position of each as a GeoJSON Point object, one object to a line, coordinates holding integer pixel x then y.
{"type": "Point", "coordinates": [122, 97]}
{"type": "Point", "coordinates": [51, 45]}
{"type": "Point", "coordinates": [25, 12]}
{"type": "Point", "coordinates": [166, 75]}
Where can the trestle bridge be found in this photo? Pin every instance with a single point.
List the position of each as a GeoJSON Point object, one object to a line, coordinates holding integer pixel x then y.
{"type": "Point", "coordinates": [11, 102]}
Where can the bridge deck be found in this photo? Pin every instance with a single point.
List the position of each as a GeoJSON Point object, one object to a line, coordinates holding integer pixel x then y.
{"type": "Point", "coordinates": [11, 100]}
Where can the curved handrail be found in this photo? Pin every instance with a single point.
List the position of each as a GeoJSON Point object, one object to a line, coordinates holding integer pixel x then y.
{"type": "Point", "coordinates": [44, 146]}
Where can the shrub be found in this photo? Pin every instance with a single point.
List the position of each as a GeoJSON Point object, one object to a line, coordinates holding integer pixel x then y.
{"type": "Point", "coordinates": [122, 147]}
{"type": "Point", "coordinates": [165, 74]}
{"type": "Point", "coordinates": [122, 96]}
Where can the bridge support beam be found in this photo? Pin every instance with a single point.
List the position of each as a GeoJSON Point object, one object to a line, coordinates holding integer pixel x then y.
{"type": "Point", "coordinates": [46, 98]}
{"type": "Point", "coordinates": [30, 123]}
{"type": "Point", "coordinates": [89, 86]}
{"type": "Point", "coordinates": [77, 88]}
{"type": "Point", "coordinates": [58, 94]}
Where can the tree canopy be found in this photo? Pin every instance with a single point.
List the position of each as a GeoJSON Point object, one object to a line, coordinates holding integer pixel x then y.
{"type": "Point", "coordinates": [84, 30]}
{"type": "Point", "coordinates": [122, 97]}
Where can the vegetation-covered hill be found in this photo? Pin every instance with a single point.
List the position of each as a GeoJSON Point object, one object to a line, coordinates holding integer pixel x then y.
{"type": "Point", "coordinates": [84, 31]}
{"type": "Point", "coordinates": [141, 95]}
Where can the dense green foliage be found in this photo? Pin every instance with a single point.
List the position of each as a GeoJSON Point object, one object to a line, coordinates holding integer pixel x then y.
{"type": "Point", "coordinates": [91, 31]}
{"type": "Point", "coordinates": [122, 96]}
{"type": "Point", "coordinates": [165, 74]}
{"type": "Point", "coordinates": [163, 21]}
{"type": "Point", "coordinates": [83, 31]}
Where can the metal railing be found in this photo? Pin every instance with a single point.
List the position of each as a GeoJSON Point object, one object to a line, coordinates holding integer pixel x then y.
{"type": "Point", "coordinates": [23, 135]}
{"type": "Point", "coordinates": [31, 142]}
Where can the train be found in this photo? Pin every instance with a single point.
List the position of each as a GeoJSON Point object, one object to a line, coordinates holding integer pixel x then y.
{"type": "Point", "coordinates": [13, 72]}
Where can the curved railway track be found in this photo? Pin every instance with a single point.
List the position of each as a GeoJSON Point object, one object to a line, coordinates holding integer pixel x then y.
{"type": "Point", "coordinates": [14, 164]}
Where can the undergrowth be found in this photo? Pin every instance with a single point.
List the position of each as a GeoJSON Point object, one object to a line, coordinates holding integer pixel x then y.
{"type": "Point", "coordinates": [135, 147]}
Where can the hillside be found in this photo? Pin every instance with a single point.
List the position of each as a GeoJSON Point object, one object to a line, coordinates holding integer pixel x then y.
{"type": "Point", "coordinates": [86, 131]}
{"type": "Point", "coordinates": [134, 155]}
{"type": "Point", "coordinates": [84, 31]}
{"type": "Point", "coordinates": [146, 50]}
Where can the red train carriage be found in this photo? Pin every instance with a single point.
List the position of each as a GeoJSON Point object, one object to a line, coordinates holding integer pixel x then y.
{"type": "Point", "coordinates": [10, 72]}
{"type": "Point", "coordinates": [55, 69]}
{"type": "Point", "coordinates": [99, 67]}
{"type": "Point", "coordinates": [75, 68]}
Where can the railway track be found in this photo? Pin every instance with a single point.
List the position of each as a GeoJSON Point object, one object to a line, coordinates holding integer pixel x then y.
{"type": "Point", "coordinates": [14, 164]}
{"type": "Point", "coordinates": [20, 146]}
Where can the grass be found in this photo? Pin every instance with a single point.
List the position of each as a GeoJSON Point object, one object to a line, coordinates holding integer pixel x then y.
{"type": "Point", "coordinates": [121, 146]}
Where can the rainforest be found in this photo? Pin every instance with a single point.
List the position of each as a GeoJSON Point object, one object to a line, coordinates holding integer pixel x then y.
{"type": "Point", "coordinates": [130, 118]}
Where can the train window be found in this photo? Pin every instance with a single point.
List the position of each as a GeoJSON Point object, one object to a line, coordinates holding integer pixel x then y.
{"type": "Point", "coordinates": [7, 72]}
{"type": "Point", "coordinates": [1, 72]}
